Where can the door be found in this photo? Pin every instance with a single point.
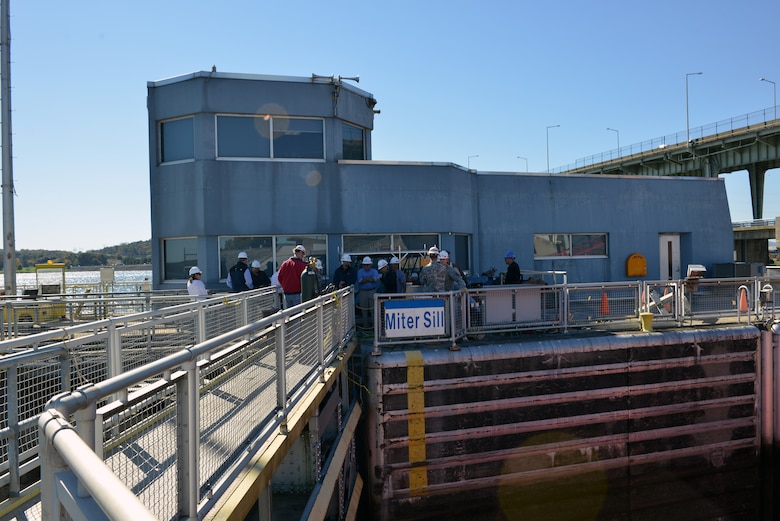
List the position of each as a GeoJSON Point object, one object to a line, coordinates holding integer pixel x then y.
{"type": "Point", "coordinates": [669, 250]}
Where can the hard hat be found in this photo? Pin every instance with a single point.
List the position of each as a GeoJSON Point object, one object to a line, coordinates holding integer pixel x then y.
{"type": "Point", "coordinates": [319, 264]}
{"type": "Point", "coordinates": [194, 270]}
{"type": "Point", "coordinates": [299, 248]}
{"type": "Point", "coordinates": [243, 255]}
{"type": "Point", "coordinates": [367, 260]}
{"type": "Point", "coordinates": [433, 250]}
{"type": "Point", "coordinates": [509, 255]}
{"type": "Point", "coordinates": [382, 263]}
{"type": "Point", "coordinates": [256, 264]}
{"type": "Point", "coordinates": [395, 260]}
{"type": "Point", "coordinates": [444, 254]}
{"type": "Point", "coordinates": [346, 258]}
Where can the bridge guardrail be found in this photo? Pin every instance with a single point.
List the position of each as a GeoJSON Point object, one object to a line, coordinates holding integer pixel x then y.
{"type": "Point", "coordinates": [760, 117]}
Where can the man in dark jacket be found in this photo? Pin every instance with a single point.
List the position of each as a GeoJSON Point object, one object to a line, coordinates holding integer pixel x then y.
{"type": "Point", "coordinates": [513, 275]}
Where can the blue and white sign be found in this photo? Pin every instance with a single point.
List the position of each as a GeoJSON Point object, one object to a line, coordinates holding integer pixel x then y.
{"type": "Point", "coordinates": [414, 318]}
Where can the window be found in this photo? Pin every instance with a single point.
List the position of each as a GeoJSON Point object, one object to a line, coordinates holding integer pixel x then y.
{"type": "Point", "coordinates": [241, 136]}
{"type": "Point", "coordinates": [389, 244]}
{"type": "Point", "coordinates": [270, 251]}
{"type": "Point", "coordinates": [352, 142]}
{"type": "Point", "coordinates": [250, 137]}
{"type": "Point", "coordinates": [177, 141]}
{"type": "Point", "coordinates": [179, 255]}
{"type": "Point", "coordinates": [298, 138]}
{"type": "Point", "coordinates": [570, 245]}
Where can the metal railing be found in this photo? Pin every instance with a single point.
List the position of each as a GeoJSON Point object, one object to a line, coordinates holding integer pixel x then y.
{"type": "Point", "coordinates": [764, 118]}
{"type": "Point", "coordinates": [26, 316]}
{"type": "Point", "coordinates": [501, 308]}
{"type": "Point", "coordinates": [35, 368]}
{"type": "Point", "coordinates": [173, 431]}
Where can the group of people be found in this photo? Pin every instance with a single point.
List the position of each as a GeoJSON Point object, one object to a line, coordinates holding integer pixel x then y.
{"type": "Point", "coordinates": [241, 277]}
{"type": "Point", "coordinates": [437, 275]}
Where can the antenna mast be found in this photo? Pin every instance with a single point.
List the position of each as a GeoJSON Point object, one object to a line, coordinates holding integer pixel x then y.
{"type": "Point", "coordinates": [9, 245]}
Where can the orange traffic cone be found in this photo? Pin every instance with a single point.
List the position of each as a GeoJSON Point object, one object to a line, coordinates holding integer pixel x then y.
{"type": "Point", "coordinates": [668, 305]}
{"type": "Point", "coordinates": [743, 304]}
{"type": "Point", "coordinates": [604, 310]}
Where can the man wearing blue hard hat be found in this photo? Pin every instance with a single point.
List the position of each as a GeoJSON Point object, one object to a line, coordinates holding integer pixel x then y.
{"type": "Point", "coordinates": [513, 275]}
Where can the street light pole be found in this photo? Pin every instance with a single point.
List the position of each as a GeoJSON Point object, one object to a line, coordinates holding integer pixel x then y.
{"type": "Point", "coordinates": [526, 162]}
{"type": "Point", "coordinates": [469, 160]}
{"type": "Point", "coordinates": [548, 145]}
{"type": "Point", "coordinates": [687, 125]}
{"type": "Point", "coordinates": [618, 139]}
{"type": "Point", "coordinates": [774, 92]}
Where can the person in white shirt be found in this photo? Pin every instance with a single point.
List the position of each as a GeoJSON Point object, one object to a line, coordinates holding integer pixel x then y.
{"type": "Point", "coordinates": [195, 286]}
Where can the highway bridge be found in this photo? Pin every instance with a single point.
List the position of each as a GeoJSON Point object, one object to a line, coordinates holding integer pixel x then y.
{"type": "Point", "coordinates": [750, 142]}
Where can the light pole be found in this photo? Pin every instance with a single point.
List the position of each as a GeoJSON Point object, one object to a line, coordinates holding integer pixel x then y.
{"type": "Point", "coordinates": [469, 160]}
{"type": "Point", "coordinates": [687, 126]}
{"type": "Point", "coordinates": [548, 145]}
{"type": "Point", "coordinates": [774, 93]}
{"type": "Point", "coordinates": [618, 138]}
{"type": "Point", "coordinates": [526, 162]}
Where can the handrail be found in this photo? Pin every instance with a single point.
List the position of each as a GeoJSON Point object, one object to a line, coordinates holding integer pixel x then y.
{"type": "Point", "coordinates": [183, 372]}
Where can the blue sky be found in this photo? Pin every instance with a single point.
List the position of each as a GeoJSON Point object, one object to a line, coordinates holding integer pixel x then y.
{"type": "Point", "coordinates": [453, 79]}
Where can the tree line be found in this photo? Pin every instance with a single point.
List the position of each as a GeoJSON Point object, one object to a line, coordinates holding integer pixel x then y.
{"type": "Point", "coordinates": [139, 252]}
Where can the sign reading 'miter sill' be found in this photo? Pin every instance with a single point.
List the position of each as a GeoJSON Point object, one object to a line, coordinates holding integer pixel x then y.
{"type": "Point", "coordinates": [413, 318]}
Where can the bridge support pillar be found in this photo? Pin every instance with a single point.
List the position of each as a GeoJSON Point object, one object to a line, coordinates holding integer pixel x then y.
{"type": "Point", "coordinates": [756, 174]}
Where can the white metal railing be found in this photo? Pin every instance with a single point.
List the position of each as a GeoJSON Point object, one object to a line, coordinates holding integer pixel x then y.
{"type": "Point", "coordinates": [175, 430]}
{"type": "Point", "coordinates": [36, 367]}
{"type": "Point", "coordinates": [504, 308]}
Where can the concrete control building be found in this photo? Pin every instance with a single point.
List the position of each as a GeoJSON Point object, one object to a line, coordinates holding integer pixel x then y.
{"type": "Point", "coordinates": [261, 163]}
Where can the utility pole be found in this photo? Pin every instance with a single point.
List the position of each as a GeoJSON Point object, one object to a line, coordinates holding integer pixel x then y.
{"type": "Point", "coordinates": [9, 243]}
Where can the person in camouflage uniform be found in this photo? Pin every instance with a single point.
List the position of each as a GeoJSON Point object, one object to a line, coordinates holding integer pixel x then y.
{"type": "Point", "coordinates": [435, 276]}
{"type": "Point", "coordinates": [454, 280]}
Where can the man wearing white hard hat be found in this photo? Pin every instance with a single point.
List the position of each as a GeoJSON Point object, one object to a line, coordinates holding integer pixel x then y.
{"type": "Point", "coordinates": [195, 286]}
{"type": "Point", "coordinates": [259, 277]}
{"type": "Point", "coordinates": [345, 275]}
{"type": "Point", "coordinates": [239, 278]}
{"type": "Point", "coordinates": [367, 282]}
{"type": "Point", "coordinates": [400, 276]}
{"type": "Point", "coordinates": [454, 280]}
{"type": "Point", "coordinates": [290, 276]}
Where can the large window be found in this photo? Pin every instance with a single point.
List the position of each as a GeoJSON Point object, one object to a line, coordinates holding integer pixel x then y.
{"type": "Point", "coordinates": [270, 251]}
{"type": "Point", "coordinates": [177, 141]}
{"type": "Point", "coordinates": [179, 255]}
{"type": "Point", "coordinates": [570, 245]}
{"type": "Point", "coordinates": [352, 142]}
{"type": "Point", "coordinates": [239, 136]}
{"type": "Point", "coordinates": [389, 244]}
{"type": "Point", "coordinates": [251, 137]}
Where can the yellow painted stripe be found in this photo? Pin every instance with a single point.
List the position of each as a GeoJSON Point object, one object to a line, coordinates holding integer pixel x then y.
{"type": "Point", "coordinates": [415, 399]}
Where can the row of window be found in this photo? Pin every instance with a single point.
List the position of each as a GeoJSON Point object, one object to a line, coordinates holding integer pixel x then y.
{"type": "Point", "coordinates": [179, 255]}
{"type": "Point", "coordinates": [259, 137]}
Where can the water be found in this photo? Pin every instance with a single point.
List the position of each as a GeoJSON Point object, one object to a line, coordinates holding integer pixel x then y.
{"type": "Point", "coordinates": [80, 278]}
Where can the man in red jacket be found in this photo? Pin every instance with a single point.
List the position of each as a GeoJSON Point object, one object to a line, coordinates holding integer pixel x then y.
{"type": "Point", "coordinates": [290, 276]}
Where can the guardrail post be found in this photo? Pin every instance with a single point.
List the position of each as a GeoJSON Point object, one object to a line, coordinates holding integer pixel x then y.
{"type": "Point", "coordinates": [188, 431]}
{"type": "Point", "coordinates": [244, 310]}
{"type": "Point", "coordinates": [85, 428]}
{"type": "Point", "coordinates": [281, 372]}
{"type": "Point", "coordinates": [200, 329]}
{"type": "Point", "coordinates": [453, 336]}
{"type": "Point", "coordinates": [12, 381]}
{"type": "Point", "coordinates": [321, 341]}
